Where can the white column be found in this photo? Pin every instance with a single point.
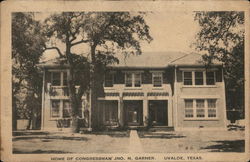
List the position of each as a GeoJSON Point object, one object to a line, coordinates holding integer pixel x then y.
{"type": "Point", "coordinates": [120, 111]}
{"type": "Point", "coordinates": [170, 112]}
{"type": "Point", "coordinates": [145, 110]}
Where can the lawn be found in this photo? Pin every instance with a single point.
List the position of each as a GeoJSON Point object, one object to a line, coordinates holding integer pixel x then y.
{"type": "Point", "coordinates": [119, 142]}
{"type": "Point", "coordinates": [48, 142]}
{"type": "Point", "coordinates": [192, 141]}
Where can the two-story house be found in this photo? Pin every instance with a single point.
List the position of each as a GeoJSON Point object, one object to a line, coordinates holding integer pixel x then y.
{"type": "Point", "coordinates": [167, 89]}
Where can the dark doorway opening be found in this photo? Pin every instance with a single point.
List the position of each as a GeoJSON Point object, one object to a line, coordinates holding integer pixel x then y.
{"type": "Point", "coordinates": [158, 112]}
{"type": "Point", "coordinates": [133, 112]}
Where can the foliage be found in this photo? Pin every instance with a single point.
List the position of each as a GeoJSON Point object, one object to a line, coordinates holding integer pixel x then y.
{"type": "Point", "coordinates": [221, 37]}
{"type": "Point", "coordinates": [27, 48]}
{"type": "Point", "coordinates": [105, 33]}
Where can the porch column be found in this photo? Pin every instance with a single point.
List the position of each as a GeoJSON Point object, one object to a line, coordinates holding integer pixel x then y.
{"type": "Point", "coordinates": [145, 111]}
{"type": "Point", "coordinates": [170, 112]}
{"type": "Point", "coordinates": [120, 112]}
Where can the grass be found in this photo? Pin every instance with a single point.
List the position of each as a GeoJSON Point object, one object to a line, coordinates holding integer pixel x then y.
{"type": "Point", "coordinates": [118, 142]}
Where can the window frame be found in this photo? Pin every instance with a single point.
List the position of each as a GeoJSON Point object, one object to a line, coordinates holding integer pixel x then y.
{"type": "Point", "coordinates": [61, 109]}
{"type": "Point", "coordinates": [197, 78]}
{"type": "Point", "coordinates": [62, 72]}
{"type": "Point", "coordinates": [207, 77]}
{"type": "Point", "coordinates": [104, 85]}
{"type": "Point", "coordinates": [133, 79]}
{"type": "Point", "coordinates": [183, 74]}
{"type": "Point", "coordinates": [51, 107]}
{"type": "Point", "coordinates": [204, 72]}
{"type": "Point", "coordinates": [157, 73]}
{"type": "Point", "coordinates": [206, 109]}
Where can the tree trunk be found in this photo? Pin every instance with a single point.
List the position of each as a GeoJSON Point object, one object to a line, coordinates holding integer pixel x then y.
{"type": "Point", "coordinates": [93, 87]}
{"type": "Point", "coordinates": [74, 102]}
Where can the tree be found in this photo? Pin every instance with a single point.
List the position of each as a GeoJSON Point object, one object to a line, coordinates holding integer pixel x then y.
{"type": "Point", "coordinates": [27, 48]}
{"type": "Point", "coordinates": [221, 37]}
{"type": "Point", "coordinates": [104, 33]}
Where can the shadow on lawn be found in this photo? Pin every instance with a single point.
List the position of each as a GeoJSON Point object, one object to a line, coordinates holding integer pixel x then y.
{"type": "Point", "coordinates": [159, 135]}
{"type": "Point", "coordinates": [15, 151]}
{"type": "Point", "coordinates": [50, 138]}
{"type": "Point", "coordinates": [227, 146]}
{"type": "Point", "coordinates": [115, 134]}
{"type": "Point", "coordinates": [25, 133]}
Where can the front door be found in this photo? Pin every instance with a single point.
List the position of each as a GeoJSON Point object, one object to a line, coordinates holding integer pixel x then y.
{"type": "Point", "coordinates": [133, 112]}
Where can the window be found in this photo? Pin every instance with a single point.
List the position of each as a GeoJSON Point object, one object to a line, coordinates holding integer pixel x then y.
{"type": "Point", "coordinates": [66, 109]}
{"type": "Point", "coordinates": [60, 108]}
{"type": "Point", "coordinates": [189, 109]}
{"type": "Point", "coordinates": [133, 79]}
{"type": "Point", "coordinates": [128, 79]}
{"type": "Point", "coordinates": [210, 78]}
{"type": "Point", "coordinates": [137, 79]}
{"type": "Point", "coordinates": [200, 108]}
{"type": "Point", "coordinates": [198, 78]}
{"type": "Point", "coordinates": [188, 78]}
{"type": "Point", "coordinates": [55, 108]}
{"type": "Point", "coordinates": [211, 104]}
{"type": "Point", "coordinates": [157, 79]}
{"type": "Point", "coordinates": [109, 80]}
{"type": "Point", "coordinates": [59, 78]}
{"type": "Point", "coordinates": [65, 79]}
{"type": "Point", "coordinates": [56, 78]}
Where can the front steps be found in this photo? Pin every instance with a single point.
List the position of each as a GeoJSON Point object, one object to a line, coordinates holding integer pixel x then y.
{"type": "Point", "coordinates": [161, 128]}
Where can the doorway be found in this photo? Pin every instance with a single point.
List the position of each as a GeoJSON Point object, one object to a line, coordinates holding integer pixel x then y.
{"type": "Point", "coordinates": [158, 112]}
{"type": "Point", "coordinates": [133, 112]}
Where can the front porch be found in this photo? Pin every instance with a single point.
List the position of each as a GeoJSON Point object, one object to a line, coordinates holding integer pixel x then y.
{"type": "Point", "coordinates": [134, 114]}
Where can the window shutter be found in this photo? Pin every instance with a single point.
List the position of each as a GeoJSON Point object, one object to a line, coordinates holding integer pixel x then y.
{"type": "Point", "coordinates": [179, 76]}
{"type": "Point", "coordinates": [119, 78]}
{"type": "Point", "coordinates": [146, 77]}
{"type": "Point", "coordinates": [218, 74]}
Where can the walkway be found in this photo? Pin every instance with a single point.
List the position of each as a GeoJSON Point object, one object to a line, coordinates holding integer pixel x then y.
{"type": "Point", "coordinates": [135, 143]}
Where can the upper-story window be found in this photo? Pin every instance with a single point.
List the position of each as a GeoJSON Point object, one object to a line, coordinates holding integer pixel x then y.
{"type": "Point", "coordinates": [187, 78]}
{"type": "Point", "coordinates": [56, 78]}
{"type": "Point", "coordinates": [109, 80]}
{"type": "Point", "coordinates": [133, 79]}
{"type": "Point", "coordinates": [59, 78]}
{"type": "Point", "coordinates": [157, 79]}
{"type": "Point", "coordinates": [210, 78]}
{"type": "Point", "coordinates": [198, 78]}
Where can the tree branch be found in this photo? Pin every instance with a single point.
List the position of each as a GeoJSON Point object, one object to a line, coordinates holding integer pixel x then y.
{"type": "Point", "coordinates": [79, 42]}
{"type": "Point", "coordinates": [55, 48]}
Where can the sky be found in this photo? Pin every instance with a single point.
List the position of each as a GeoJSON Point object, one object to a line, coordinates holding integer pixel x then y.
{"type": "Point", "coordinates": [171, 31]}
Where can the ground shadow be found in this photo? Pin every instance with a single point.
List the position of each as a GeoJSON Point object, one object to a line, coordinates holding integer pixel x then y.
{"type": "Point", "coordinates": [25, 133]}
{"type": "Point", "coordinates": [159, 135]}
{"type": "Point", "coordinates": [115, 134]}
{"type": "Point", "coordinates": [227, 146]}
{"type": "Point", "coordinates": [48, 138]}
{"type": "Point", "coordinates": [15, 151]}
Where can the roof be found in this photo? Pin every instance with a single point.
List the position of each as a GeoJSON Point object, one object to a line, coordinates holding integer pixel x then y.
{"type": "Point", "coordinates": [148, 60]}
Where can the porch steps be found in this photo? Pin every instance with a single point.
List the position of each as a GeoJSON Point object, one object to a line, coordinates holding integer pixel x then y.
{"type": "Point", "coordinates": [161, 128]}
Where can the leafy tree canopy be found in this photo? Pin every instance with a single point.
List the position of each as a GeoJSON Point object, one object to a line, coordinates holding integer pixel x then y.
{"type": "Point", "coordinates": [221, 37]}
